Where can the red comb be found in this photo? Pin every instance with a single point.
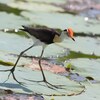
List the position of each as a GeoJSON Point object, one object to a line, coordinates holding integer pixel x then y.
{"type": "Point", "coordinates": [70, 32]}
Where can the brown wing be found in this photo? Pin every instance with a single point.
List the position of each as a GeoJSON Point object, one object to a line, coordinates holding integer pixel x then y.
{"type": "Point", "coordinates": [44, 35]}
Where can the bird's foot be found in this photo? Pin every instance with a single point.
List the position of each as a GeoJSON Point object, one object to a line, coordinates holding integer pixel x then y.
{"type": "Point", "coordinates": [11, 71]}
{"type": "Point", "coordinates": [49, 85]}
{"type": "Point", "coordinates": [52, 86]}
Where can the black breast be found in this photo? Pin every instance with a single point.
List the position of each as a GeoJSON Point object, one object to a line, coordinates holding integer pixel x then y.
{"type": "Point", "coordinates": [44, 35]}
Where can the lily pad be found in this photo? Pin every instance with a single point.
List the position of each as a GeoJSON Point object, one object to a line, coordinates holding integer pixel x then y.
{"type": "Point", "coordinates": [5, 1]}
{"type": "Point", "coordinates": [11, 21]}
{"type": "Point", "coordinates": [62, 21]}
{"type": "Point", "coordinates": [71, 88]}
{"type": "Point", "coordinates": [87, 67]}
{"type": "Point", "coordinates": [22, 74]}
{"type": "Point", "coordinates": [6, 8]}
{"type": "Point", "coordinates": [41, 12]}
{"type": "Point", "coordinates": [35, 6]}
{"type": "Point", "coordinates": [86, 45]}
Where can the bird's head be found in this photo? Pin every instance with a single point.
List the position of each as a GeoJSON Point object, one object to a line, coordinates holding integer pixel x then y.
{"type": "Point", "coordinates": [69, 33]}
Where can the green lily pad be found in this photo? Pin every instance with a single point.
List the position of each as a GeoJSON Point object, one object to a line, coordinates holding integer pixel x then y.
{"type": "Point", "coordinates": [87, 67]}
{"type": "Point", "coordinates": [25, 75]}
{"type": "Point", "coordinates": [86, 45]}
{"type": "Point", "coordinates": [11, 21]}
{"type": "Point", "coordinates": [6, 8]}
{"type": "Point", "coordinates": [62, 21]}
{"type": "Point", "coordinates": [35, 6]}
{"type": "Point", "coordinates": [5, 1]}
{"type": "Point", "coordinates": [71, 88]}
{"type": "Point", "coordinates": [41, 12]}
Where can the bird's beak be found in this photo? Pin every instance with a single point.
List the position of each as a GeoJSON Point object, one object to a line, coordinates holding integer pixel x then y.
{"type": "Point", "coordinates": [70, 33]}
{"type": "Point", "coordinates": [73, 39]}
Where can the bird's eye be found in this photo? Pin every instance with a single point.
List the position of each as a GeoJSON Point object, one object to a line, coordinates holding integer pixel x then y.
{"type": "Point", "coordinates": [65, 30]}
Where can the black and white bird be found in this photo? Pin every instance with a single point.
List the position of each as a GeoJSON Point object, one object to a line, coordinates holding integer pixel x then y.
{"type": "Point", "coordinates": [43, 37]}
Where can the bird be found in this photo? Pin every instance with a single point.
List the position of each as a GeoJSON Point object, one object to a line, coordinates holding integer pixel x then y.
{"type": "Point", "coordinates": [43, 37]}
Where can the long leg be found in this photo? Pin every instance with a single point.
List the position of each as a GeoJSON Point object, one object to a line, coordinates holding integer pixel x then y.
{"type": "Point", "coordinates": [44, 78]}
{"type": "Point", "coordinates": [13, 68]}
{"type": "Point", "coordinates": [40, 58]}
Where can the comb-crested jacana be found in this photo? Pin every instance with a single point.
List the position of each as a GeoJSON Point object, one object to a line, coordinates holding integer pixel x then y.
{"type": "Point", "coordinates": [42, 37]}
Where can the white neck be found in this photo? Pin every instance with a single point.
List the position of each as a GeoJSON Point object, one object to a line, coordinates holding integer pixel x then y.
{"type": "Point", "coordinates": [61, 37]}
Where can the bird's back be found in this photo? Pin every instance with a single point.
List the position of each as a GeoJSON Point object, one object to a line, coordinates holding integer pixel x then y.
{"type": "Point", "coordinates": [44, 35]}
